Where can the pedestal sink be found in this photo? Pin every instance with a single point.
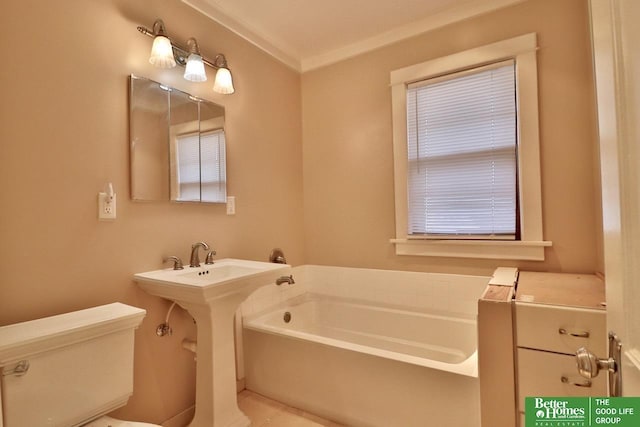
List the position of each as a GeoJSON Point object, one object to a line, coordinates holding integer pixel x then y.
{"type": "Point", "coordinates": [212, 294]}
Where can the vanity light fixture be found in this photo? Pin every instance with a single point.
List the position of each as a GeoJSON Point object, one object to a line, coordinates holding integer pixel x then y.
{"type": "Point", "coordinates": [161, 51]}
{"type": "Point", "coordinates": [194, 70]}
{"type": "Point", "coordinates": [224, 81]}
{"type": "Point", "coordinates": [166, 54]}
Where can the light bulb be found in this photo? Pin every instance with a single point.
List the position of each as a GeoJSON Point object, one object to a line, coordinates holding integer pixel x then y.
{"type": "Point", "coordinates": [194, 70]}
{"type": "Point", "coordinates": [162, 53]}
{"type": "Point", "coordinates": [224, 82]}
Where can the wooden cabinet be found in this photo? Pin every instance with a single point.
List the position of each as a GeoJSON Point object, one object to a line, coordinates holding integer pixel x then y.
{"type": "Point", "coordinates": [555, 314]}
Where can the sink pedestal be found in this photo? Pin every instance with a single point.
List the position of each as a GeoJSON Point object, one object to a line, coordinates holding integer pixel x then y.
{"type": "Point", "coordinates": [216, 396]}
{"type": "Point", "coordinates": [212, 295]}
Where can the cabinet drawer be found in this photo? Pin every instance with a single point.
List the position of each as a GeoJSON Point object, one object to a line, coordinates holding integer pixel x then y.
{"type": "Point", "coordinates": [538, 326]}
{"type": "Point", "coordinates": [540, 374]}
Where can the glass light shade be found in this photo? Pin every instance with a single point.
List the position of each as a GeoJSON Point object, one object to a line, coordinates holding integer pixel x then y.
{"type": "Point", "coordinates": [162, 53]}
{"type": "Point", "coordinates": [194, 70]}
{"type": "Point", "coordinates": [224, 82]}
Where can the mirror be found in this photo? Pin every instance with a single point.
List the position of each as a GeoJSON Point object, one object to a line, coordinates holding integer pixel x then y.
{"type": "Point", "coordinates": [177, 145]}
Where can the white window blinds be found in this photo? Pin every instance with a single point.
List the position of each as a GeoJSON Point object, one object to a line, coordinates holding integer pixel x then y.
{"type": "Point", "coordinates": [201, 167]}
{"type": "Point", "coordinates": [213, 174]}
{"type": "Point", "coordinates": [461, 132]}
{"type": "Point", "coordinates": [188, 167]}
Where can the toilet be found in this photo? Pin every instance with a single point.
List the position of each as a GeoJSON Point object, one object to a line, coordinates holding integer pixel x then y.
{"type": "Point", "coordinates": [69, 370]}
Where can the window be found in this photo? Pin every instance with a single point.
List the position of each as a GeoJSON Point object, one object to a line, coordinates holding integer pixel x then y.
{"type": "Point", "coordinates": [461, 137]}
{"type": "Point", "coordinates": [201, 173]}
{"type": "Point", "coordinates": [466, 154]}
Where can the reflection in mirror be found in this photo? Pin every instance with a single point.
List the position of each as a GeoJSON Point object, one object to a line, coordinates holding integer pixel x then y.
{"type": "Point", "coordinates": [177, 145]}
{"type": "Point", "coordinates": [213, 179]}
{"type": "Point", "coordinates": [149, 115]}
{"type": "Point", "coordinates": [184, 152]}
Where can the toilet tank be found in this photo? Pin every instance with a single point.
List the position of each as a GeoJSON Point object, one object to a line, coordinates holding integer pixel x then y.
{"type": "Point", "coordinates": [80, 366]}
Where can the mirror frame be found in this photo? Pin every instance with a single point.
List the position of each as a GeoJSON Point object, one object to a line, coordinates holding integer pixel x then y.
{"type": "Point", "coordinates": [154, 154]}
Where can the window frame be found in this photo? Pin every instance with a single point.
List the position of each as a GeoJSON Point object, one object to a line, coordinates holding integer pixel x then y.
{"type": "Point", "coordinates": [531, 245]}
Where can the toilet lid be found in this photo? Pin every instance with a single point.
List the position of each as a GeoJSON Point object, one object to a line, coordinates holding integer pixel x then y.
{"type": "Point", "coordinates": [112, 422]}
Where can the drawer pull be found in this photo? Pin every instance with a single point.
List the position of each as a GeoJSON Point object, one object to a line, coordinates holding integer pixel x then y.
{"type": "Point", "coordinates": [586, 383]}
{"type": "Point", "coordinates": [563, 331]}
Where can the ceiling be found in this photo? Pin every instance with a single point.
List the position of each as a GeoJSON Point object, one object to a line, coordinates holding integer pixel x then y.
{"type": "Point", "coordinates": [308, 34]}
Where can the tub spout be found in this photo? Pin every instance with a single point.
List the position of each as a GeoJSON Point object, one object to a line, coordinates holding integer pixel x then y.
{"type": "Point", "coordinates": [285, 279]}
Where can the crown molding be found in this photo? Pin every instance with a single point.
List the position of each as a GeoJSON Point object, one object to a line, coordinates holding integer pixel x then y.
{"type": "Point", "coordinates": [413, 29]}
{"type": "Point", "coordinates": [288, 55]}
{"type": "Point", "coordinates": [276, 48]}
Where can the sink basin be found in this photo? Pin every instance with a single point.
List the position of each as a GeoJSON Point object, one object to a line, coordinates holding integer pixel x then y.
{"type": "Point", "coordinates": [196, 284]}
{"type": "Point", "coordinates": [208, 275]}
{"type": "Point", "coordinates": [212, 295]}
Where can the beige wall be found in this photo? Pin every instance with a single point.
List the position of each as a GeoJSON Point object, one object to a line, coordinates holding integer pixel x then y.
{"type": "Point", "coordinates": [64, 133]}
{"type": "Point", "coordinates": [347, 134]}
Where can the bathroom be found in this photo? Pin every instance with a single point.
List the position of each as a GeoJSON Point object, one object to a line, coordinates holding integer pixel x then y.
{"type": "Point", "coordinates": [309, 161]}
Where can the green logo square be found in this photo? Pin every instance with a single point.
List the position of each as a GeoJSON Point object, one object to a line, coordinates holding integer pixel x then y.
{"type": "Point", "coordinates": [582, 411]}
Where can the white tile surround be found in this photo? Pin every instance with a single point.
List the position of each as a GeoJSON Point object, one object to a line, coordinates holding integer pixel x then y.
{"type": "Point", "coordinates": [421, 291]}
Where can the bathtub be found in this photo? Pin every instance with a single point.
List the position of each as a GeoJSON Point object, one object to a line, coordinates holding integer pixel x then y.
{"type": "Point", "coordinates": [433, 340]}
{"type": "Point", "coordinates": [370, 348]}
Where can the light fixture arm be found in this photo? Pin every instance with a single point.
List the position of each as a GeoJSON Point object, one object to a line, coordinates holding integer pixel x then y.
{"type": "Point", "coordinates": [220, 61]}
{"type": "Point", "coordinates": [158, 28]}
{"type": "Point", "coordinates": [192, 45]}
{"type": "Point", "coordinates": [181, 53]}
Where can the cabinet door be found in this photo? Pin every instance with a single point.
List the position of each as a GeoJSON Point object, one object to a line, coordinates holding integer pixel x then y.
{"type": "Point", "coordinates": [543, 374]}
{"type": "Point", "coordinates": [560, 329]}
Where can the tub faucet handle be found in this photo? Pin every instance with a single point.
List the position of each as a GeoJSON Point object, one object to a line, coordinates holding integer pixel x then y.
{"type": "Point", "coordinates": [277, 256]}
{"type": "Point", "coordinates": [177, 262]}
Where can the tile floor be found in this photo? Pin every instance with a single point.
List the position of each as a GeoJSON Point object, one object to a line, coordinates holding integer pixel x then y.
{"type": "Point", "coordinates": [265, 412]}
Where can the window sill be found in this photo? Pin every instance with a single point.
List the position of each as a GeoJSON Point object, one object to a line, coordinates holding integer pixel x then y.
{"type": "Point", "coordinates": [488, 249]}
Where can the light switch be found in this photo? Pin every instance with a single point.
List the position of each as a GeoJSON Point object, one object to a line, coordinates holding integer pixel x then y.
{"type": "Point", "coordinates": [231, 205]}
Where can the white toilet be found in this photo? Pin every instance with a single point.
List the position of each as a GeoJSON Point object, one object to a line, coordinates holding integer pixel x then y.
{"type": "Point", "coordinates": [69, 370]}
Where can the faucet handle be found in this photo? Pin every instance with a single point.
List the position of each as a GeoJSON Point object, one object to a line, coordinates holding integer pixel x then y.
{"type": "Point", "coordinates": [177, 262]}
{"type": "Point", "coordinates": [209, 259]}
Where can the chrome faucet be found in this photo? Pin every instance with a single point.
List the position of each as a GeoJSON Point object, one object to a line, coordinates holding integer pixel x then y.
{"type": "Point", "coordinates": [195, 259]}
{"type": "Point", "coordinates": [285, 279]}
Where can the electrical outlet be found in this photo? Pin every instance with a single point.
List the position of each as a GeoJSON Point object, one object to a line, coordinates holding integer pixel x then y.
{"type": "Point", "coordinates": [106, 206]}
{"type": "Point", "coordinates": [231, 205]}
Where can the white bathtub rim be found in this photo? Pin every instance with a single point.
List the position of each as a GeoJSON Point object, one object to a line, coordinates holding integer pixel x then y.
{"type": "Point", "coordinates": [385, 271]}
{"type": "Point", "coordinates": [468, 367]}
{"type": "Point", "coordinates": [310, 296]}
